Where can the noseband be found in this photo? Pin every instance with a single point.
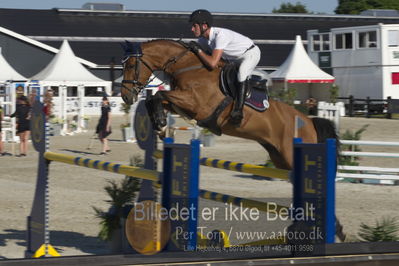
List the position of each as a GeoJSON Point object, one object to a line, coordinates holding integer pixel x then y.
{"type": "Point", "coordinates": [136, 52]}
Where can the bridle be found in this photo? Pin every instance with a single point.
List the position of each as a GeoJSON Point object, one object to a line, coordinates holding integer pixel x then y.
{"type": "Point", "coordinates": [134, 50]}
{"type": "Point", "coordinates": [137, 53]}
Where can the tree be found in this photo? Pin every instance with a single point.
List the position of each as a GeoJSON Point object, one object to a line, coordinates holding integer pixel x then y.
{"type": "Point", "coordinates": [290, 8]}
{"type": "Point", "coordinates": [357, 6]}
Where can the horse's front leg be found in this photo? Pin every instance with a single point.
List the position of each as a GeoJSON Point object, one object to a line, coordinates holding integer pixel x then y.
{"type": "Point", "coordinates": [150, 109]}
{"type": "Point", "coordinates": [156, 111]}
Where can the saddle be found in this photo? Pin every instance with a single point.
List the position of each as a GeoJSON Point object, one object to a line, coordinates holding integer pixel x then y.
{"type": "Point", "coordinates": [257, 95]}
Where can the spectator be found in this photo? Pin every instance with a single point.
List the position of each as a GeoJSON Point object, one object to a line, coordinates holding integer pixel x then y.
{"type": "Point", "coordinates": [22, 114]}
{"type": "Point", "coordinates": [103, 128]}
{"type": "Point", "coordinates": [311, 104]}
{"type": "Point", "coordinates": [48, 103]}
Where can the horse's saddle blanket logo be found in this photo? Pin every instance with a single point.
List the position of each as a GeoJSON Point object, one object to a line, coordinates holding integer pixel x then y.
{"type": "Point", "coordinates": [257, 97]}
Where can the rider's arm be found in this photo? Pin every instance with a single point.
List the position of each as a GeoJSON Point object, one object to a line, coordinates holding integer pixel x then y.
{"type": "Point", "coordinates": [211, 60]}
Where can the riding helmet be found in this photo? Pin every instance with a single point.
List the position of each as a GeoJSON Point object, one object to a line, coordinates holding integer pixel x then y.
{"type": "Point", "coordinates": [201, 16]}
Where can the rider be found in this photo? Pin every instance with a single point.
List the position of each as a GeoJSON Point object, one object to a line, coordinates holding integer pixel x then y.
{"type": "Point", "coordinates": [226, 44]}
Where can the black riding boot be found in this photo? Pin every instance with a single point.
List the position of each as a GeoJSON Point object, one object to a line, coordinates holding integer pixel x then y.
{"type": "Point", "coordinates": [236, 115]}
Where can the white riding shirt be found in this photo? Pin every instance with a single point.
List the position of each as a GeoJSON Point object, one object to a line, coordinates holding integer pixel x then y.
{"type": "Point", "coordinates": [236, 47]}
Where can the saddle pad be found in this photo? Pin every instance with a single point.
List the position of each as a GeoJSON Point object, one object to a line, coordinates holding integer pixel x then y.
{"type": "Point", "coordinates": [257, 100]}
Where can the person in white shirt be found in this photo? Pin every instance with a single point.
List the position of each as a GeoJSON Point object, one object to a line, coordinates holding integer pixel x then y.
{"type": "Point", "coordinates": [226, 44]}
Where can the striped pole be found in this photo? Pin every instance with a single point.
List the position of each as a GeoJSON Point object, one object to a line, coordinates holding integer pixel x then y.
{"type": "Point", "coordinates": [258, 170]}
{"type": "Point", "coordinates": [146, 174]}
{"type": "Point", "coordinates": [246, 168]}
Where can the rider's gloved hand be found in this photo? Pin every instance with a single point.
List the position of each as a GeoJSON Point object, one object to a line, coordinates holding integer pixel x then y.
{"type": "Point", "coordinates": [194, 47]}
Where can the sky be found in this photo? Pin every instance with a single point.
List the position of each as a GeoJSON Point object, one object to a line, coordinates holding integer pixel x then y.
{"type": "Point", "coordinates": [235, 6]}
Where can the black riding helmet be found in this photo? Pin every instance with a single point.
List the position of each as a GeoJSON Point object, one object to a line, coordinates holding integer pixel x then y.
{"type": "Point", "coordinates": [201, 16]}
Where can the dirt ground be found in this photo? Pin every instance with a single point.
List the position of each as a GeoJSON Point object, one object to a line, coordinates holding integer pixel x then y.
{"type": "Point", "coordinates": [75, 190]}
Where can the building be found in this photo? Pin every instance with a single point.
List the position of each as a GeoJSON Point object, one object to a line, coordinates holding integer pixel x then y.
{"type": "Point", "coordinates": [364, 60]}
{"type": "Point", "coordinates": [30, 38]}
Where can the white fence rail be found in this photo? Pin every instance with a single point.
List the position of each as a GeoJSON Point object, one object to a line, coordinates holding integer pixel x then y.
{"type": "Point", "coordinates": [370, 154]}
{"type": "Point", "coordinates": [384, 174]}
{"type": "Point", "coordinates": [370, 142]}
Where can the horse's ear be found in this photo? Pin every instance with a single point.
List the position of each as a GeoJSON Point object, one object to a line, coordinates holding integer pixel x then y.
{"type": "Point", "coordinates": [124, 45]}
{"type": "Point", "coordinates": [132, 49]}
{"type": "Point", "coordinates": [136, 49]}
{"type": "Point", "coordinates": [127, 46]}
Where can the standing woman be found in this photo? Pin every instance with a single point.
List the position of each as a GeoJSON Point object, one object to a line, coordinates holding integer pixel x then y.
{"type": "Point", "coordinates": [22, 113]}
{"type": "Point", "coordinates": [104, 125]}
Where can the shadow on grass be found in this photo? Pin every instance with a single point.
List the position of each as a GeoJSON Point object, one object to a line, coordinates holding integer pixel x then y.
{"type": "Point", "coordinates": [256, 177]}
{"type": "Point", "coordinates": [79, 152]}
{"type": "Point", "coordinates": [59, 239]}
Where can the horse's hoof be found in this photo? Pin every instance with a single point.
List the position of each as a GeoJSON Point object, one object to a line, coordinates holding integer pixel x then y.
{"type": "Point", "coordinates": [161, 135]}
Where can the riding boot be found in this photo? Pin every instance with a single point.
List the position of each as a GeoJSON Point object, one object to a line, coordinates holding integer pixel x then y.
{"type": "Point", "coordinates": [237, 115]}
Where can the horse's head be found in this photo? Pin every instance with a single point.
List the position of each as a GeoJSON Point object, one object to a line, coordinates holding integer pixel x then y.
{"type": "Point", "coordinates": [136, 72]}
{"type": "Point", "coordinates": [141, 61]}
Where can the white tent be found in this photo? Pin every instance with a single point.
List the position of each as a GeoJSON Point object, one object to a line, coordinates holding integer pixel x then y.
{"type": "Point", "coordinates": [65, 70]}
{"type": "Point", "coordinates": [299, 71]}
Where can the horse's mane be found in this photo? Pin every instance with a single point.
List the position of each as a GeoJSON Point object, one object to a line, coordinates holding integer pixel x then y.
{"type": "Point", "coordinates": [179, 41]}
{"type": "Point", "coordinates": [182, 43]}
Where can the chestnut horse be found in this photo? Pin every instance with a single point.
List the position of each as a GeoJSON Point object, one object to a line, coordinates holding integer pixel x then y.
{"type": "Point", "coordinates": [196, 93]}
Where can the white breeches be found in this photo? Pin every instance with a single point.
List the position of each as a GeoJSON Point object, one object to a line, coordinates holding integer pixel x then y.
{"type": "Point", "coordinates": [249, 60]}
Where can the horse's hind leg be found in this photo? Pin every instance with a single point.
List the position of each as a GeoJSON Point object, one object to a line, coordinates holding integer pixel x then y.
{"type": "Point", "coordinates": [276, 157]}
{"type": "Point", "coordinates": [156, 111]}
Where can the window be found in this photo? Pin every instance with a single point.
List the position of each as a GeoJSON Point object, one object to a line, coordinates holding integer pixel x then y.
{"type": "Point", "coordinates": [321, 42]}
{"type": "Point", "coordinates": [326, 42]}
{"type": "Point", "coordinates": [343, 41]}
{"type": "Point", "coordinates": [94, 91]}
{"type": "Point", "coordinates": [72, 91]}
{"type": "Point", "coordinates": [367, 39]}
{"type": "Point", "coordinates": [316, 42]}
{"type": "Point", "coordinates": [393, 38]}
{"type": "Point", "coordinates": [395, 78]}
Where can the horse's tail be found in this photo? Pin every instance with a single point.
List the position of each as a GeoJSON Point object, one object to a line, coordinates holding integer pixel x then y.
{"type": "Point", "coordinates": [325, 129]}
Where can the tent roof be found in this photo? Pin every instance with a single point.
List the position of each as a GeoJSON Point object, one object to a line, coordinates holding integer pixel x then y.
{"type": "Point", "coordinates": [299, 68]}
{"type": "Point", "coordinates": [65, 68]}
{"type": "Point", "coordinates": [7, 72]}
